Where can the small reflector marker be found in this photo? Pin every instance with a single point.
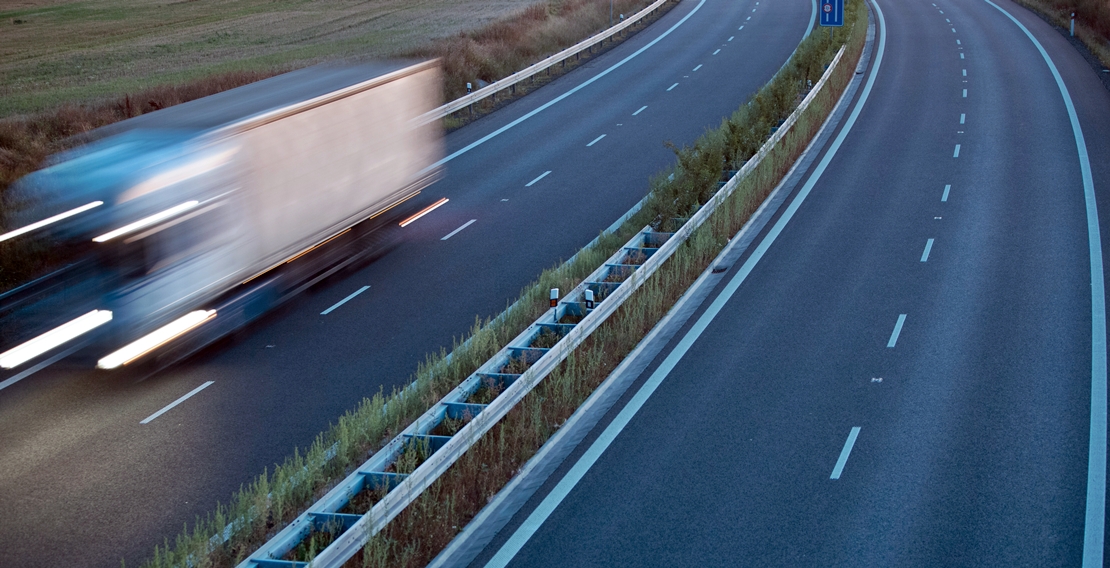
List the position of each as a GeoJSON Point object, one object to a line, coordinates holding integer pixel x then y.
{"type": "Point", "coordinates": [554, 297]}
{"type": "Point", "coordinates": [49, 221]}
{"type": "Point", "coordinates": [155, 339]}
{"type": "Point", "coordinates": [424, 212]}
{"type": "Point", "coordinates": [147, 221]}
{"type": "Point", "coordinates": [53, 338]}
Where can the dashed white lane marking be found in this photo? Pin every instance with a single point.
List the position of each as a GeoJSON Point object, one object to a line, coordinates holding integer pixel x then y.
{"type": "Point", "coordinates": [730, 38]}
{"type": "Point", "coordinates": [845, 452]}
{"type": "Point", "coordinates": [716, 52]}
{"type": "Point", "coordinates": [965, 72]}
{"type": "Point", "coordinates": [596, 140]}
{"type": "Point", "coordinates": [639, 111]}
{"type": "Point", "coordinates": [963, 117]}
{"type": "Point", "coordinates": [958, 42]}
{"type": "Point", "coordinates": [928, 247]}
{"type": "Point", "coordinates": [538, 178]}
{"type": "Point", "coordinates": [741, 27]}
{"type": "Point", "coordinates": [749, 17]}
{"type": "Point", "coordinates": [965, 93]}
{"type": "Point", "coordinates": [956, 152]}
{"type": "Point", "coordinates": [953, 30]}
{"type": "Point", "coordinates": [961, 56]}
{"type": "Point", "coordinates": [672, 86]}
{"type": "Point", "coordinates": [175, 403]}
{"type": "Point", "coordinates": [897, 330]}
{"type": "Point", "coordinates": [947, 188]}
{"type": "Point", "coordinates": [364, 288]}
{"type": "Point", "coordinates": [698, 67]}
{"type": "Point", "coordinates": [453, 233]}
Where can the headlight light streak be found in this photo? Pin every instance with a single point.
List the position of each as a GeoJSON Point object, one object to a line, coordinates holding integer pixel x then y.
{"type": "Point", "coordinates": [49, 220]}
{"type": "Point", "coordinates": [147, 221]}
{"type": "Point", "coordinates": [155, 339]}
{"type": "Point", "coordinates": [53, 338]}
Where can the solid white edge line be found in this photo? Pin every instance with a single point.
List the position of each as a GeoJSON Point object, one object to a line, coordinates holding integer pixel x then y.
{"type": "Point", "coordinates": [176, 402]}
{"type": "Point", "coordinates": [538, 178]}
{"type": "Point", "coordinates": [844, 453]}
{"type": "Point", "coordinates": [928, 247]}
{"type": "Point", "coordinates": [596, 140]}
{"type": "Point", "coordinates": [639, 111]}
{"type": "Point", "coordinates": [897, 331]}
{"type": "Point", "coordinates": [453, 233]}
{"type": "Point", "coordinates": [530, 525]}
{"type": "Point", "coordinates": [1095, 521]}
{"type": "Point", "coordinates": [40, 366]}
{"type": "Point", "coordinates": [347, 299]}
{"type": "Point", "coordinates": [548, 104]}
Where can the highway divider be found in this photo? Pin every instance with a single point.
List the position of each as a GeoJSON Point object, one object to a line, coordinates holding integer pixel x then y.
{"type": "Point", "coordinates": [454, 400]}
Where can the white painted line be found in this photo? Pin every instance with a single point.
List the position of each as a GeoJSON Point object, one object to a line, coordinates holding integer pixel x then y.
{"type": "Point", "coordinates": [897, 330]}
{"type": "Point", "coordinates": [947, 20]}
{"type": "Point", "coordinates": [946, 189]}
{"type": "Point", "coordinates": [953, 30]}
{"type": "Point", "coordinates": [942, 11]}
{"type": "Point", "coordinates": [639, 111]}
{"type": "Point", "coordinates": [961, 56]}
{"type": "Point", "coordinates": [176, 402]}
{"type": "Point", "coordinates": [958, 42]}
{"type": "Point", "coordinates": [1095, 518]}
{"type": "Point", "coordinates": [716, 52]}
{"type": "Point", "coordinates": [965, 72]}
{"type": "Point", "coordinates": [845, 452]}
{"type": "Point", "coordinates": [965, 93]}
{"type": "Point", "coordinates": [349, 298]}
{"type": "Point", "coordinates": [538, 178]}
{"type": "Point", "coordinates": [581, 86]}
{"type": "Point", "coordinates": [27, 373]}
{"type": "Point", "coordinates": [595, 141]}
{"type": "Point", "coordinates": [672, 86]}
{"type": "Point", "coordinates": [730, 38]}
{"type": "Point", "coordinates": [540, 514]}
{"type": "Point", "coordinates": [956, 152]}
{"type": "Point", "coordinates": [749, 17]}
{"type": "Point", "coordinates": [963, 117]}
{"type": "Point", "coordinates": [928, 247]}
{"type": "Point", "coordinates": [741, 27]}
{"type": "Point", "coordinates": [453, 233]}
{"type": "Point", "coordinates": [753, 9]}
{"type": "Point", "coordinates": [698, 67]}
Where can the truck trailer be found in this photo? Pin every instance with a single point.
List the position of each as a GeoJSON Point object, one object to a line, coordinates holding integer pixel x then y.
{"type": "Point", "coordinates": [182, 225]}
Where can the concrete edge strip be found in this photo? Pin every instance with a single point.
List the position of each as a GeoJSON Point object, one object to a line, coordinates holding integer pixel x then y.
{"type": "Point", "coordinates": [469, 543]}
{"type": "Point", "coordinates": [1094, 525]}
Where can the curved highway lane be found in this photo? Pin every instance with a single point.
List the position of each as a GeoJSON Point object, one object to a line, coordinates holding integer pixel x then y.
{"type": "Point", "coordinates": [905, 376]}
{"type": "Point", "coordinates": [95, 469]}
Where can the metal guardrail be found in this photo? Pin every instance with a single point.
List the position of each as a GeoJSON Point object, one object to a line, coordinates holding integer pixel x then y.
{"type": "Point", "coordinates": [400, 489]}
{"type": "Point", "coordinates": [511, 81]}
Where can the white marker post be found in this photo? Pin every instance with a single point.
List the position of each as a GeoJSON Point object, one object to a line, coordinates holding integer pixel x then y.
{"type": "Point", "coordinates": [589, 299]}
{"type": "Point", "coordinates": [555, 303]}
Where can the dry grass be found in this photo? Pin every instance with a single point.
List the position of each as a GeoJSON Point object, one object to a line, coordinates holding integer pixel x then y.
{"type": "Point", "coordinates": [1092, 21]}
{"type": "Point", "coordinates": [427, 525]}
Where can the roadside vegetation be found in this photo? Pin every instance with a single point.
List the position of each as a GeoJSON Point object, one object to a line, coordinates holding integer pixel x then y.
{"type": "Point", "coordinates": [73, 67]}
{"type": "Point", "coordinates": [260, 509]}
{"type": "Point", "coordinates": [1092, 21]}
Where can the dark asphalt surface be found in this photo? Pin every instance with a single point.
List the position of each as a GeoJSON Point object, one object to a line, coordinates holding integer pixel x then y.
{"type": "Point", "coordinates": [972, 449]}
{"type": "Point", "coordinates": [83, 483]}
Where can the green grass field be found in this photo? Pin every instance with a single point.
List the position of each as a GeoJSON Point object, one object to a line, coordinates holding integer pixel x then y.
{"type": "Point", "coordinates": [59, 51]}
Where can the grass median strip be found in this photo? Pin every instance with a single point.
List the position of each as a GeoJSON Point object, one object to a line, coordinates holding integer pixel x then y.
{"type": "Point", "coordinates": [427, 525]}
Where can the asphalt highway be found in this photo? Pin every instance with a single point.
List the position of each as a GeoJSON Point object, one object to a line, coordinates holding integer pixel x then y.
{"type": "Point", "coordinates": [94, 470]}
{"type": "Point", "coordinates": [904, 377]}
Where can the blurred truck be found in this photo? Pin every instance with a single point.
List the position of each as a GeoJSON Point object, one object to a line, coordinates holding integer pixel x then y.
{"type": "Point", "coordinates": [182, 225]}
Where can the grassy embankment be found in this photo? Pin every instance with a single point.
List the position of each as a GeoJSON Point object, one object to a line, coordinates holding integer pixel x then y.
{"type": "Point", "coordinates": [427, 525]}
{"type": "Point", "coordinates": [1092, 21]}
{"type": "Point", "coordinates": [71, 67]}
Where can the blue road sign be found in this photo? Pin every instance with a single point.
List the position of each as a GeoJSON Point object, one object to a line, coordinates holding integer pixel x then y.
{"type": "Point", "coordinates": [832, 12]}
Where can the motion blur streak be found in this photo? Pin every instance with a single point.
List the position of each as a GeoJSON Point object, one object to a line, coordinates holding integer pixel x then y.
{"type": "Point", "coordinates": [147, 221]}
{"type": "Point", "coordinates": [49, 220]}
{"type": "Point", "coordinates": [155, 339]}
{"type": "Point", "coordinates": [424, 211]}
{"type": "Point", "coordinates": [53, 338]}
{"type": "Point", "coordinates": [179, 175]}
